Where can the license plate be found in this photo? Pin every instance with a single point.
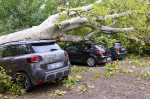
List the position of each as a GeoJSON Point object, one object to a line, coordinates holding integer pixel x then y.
{"type": "Point", "coordinates": [55, 65]}
{"type": "Point", "coordinates": [108, 59]}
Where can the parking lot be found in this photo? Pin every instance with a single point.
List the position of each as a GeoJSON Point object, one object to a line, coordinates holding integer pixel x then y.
{"type": "Point", "coordinates": [123, 85]}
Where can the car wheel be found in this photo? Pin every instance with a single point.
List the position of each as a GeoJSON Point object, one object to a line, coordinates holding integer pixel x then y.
{"type": "Point", "coordinates": [23, 80]}
{"type": "Point", "coordinates": [91, 62]}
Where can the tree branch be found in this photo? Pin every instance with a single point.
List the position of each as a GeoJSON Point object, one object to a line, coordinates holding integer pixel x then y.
{"type": "Point", "coordinates": [114, 16]}
{"type": "Point", "coordinates": [54, 18]}
{"type": "Point", "coordinates": [136, 39]}
{"type": "Point", "coordinates": [70, 38]}
{"type": "Point", "coordinates": [106, 29]}
{"type": "Point", "coordinates": [46, 32]}
{"type": "Point", "coordinates": [131, 38]}
{"type": "Point", "coordinates": [92, 34]}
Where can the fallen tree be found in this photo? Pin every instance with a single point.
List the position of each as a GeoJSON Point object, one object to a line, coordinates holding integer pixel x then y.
{"type": "Point", "coordinates": [100, 17]}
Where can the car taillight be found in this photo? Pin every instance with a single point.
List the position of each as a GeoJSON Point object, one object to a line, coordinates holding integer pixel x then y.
{"type": "Point", "coordinates": [99, 52]}
{"type": "Point", "coordinates": [117, 49]}
{"type": "Point", "coordinates": [66, 54]}
{"type": "Point", "coordinates": [40, 81]}
{"type": "Point", "coordinates": [33, 59]}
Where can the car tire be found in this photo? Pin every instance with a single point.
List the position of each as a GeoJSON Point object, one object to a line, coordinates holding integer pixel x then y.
{"type": "Point", "coordinates": [91, 61]}
{"type": "Point", "coordinates": [23, 80]}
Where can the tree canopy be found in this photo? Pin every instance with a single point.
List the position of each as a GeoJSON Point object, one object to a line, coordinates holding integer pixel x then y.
{"type": "Point", "coordinates": [16, 15]}
{"type": "Point", "coordinates": [74, 20]}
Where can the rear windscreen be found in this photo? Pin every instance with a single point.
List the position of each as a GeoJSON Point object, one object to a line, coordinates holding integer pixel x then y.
{"type": "Point", "coordinates": [99, 47]}
{"type": "Point", "coordinates": [118, 44]}
{"type": "Point", "coordinates": [45, 47]}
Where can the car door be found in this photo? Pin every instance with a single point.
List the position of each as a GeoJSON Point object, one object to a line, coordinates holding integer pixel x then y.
{"type": "Point", "coordinates": [85, 52]}
{"type": "Point", "coordinates": [20, 59]}
{"type": "Point", "coordinates": [8, 58]}
{"type": "Point", "coordinates": [74, 52]}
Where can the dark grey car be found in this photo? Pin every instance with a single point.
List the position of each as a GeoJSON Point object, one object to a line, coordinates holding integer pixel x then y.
{"type": "Point", "coordinates": [35, 62]}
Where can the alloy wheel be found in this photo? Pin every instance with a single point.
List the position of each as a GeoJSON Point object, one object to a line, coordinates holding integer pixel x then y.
{"type": "Point", "coordinates": [90, 61]}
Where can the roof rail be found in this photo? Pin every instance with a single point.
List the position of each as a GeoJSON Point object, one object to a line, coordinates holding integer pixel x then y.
{"type": "Point", "coordinates": [24, 41]}
{"type": "Point", "coordinates": [13, 41]}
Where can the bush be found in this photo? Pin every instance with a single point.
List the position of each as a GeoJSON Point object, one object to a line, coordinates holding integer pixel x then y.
{"type": "Point", "coordinates": [7, 85]}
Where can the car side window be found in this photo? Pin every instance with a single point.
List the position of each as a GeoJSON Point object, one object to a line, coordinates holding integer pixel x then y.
{"type": "Point", "coordinates": [1, 51]}
{"type": "Point", "coordinates": [10, 51]}
{"type": "Point", "coordinates": [85, 47]}
{"type": "Point", "coordinates": [23, 49]}
{"type": "Point", "coordinates": [73, 47]}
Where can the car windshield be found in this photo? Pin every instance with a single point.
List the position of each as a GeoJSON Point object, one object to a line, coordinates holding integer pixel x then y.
{"type": "Point", "coordinates": [118, 44]}
{"type": "Point", "coordinates": [44, 47]}
{"type": "Point", "coordinates": [99, 47]}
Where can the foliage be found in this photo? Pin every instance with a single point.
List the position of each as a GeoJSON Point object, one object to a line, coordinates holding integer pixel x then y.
{"type": "Point", "coordinates": [1, 95]}
{"type": "Point", "coordinates": [90, 86]}
{"type": "Point", "coordinates": [137, 19]}
{"type": "Point", "coordinates": [71, 80]}
{"type": "Point", "coordinates": [81, 88]}
{"type": "Point", "coordinates": [139, 62]}
{"type": "Point", "coordinates": [96, 75]}
{"type": "Point", "coordinates": [112, 67]}
{"type": "Point", "coordinates": [132, 56]}
{"type": "Point", "coordinates": [7, 85]}
{"type": "Point", "coordinates": [79, 69]}
{"type": "Point", "coordinates": [17, 15]}
{"type": "Point", "coordinates": [76, 3]}
{"type": "Point", "coordinates": [58, 92]}
{"type": "Point", "coordinates": [144, 74]}
{"type": "Point", "coordinates": [127, 71]}
{"type": "Point", "coordinates": [113, 70]}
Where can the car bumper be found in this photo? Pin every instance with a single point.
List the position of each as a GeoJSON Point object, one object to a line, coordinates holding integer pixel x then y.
{"type": "Point", "coordinates": [41, 76]}
{"type": "Point", "coordinates": [103, 60]}
{"type": "Point", "coordinates": [121, 55]}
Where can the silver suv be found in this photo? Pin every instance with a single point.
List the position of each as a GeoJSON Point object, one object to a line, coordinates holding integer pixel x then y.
{"type": "Point", "coordinates": [35, 62]}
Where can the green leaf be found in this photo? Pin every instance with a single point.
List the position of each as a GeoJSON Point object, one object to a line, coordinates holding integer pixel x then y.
{"type": "Point", "coordinates": [96, 75]}
{"type": "Point", "coordinates": [90, 86]}
{"type": "Point", "coordinates": [81, 88]}
{"type": "Point", "coordinates": [112, 73]}
{"type": "Point", "coordinates": [58, 92]}
{"type": "Point", "coordinates": [139, 79]}
{"type": "Point", "coordinates": [125, 71]}
{"type": "Point", "coordinates": [118, 68]}
{"type": "Point", "coordinates": [78, 76]}
{"type": "Point", "coordinates": [105, 74]}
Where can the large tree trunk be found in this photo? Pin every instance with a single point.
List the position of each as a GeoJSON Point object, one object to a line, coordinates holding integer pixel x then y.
{"type": "Point", "coordinates": [48, 29]}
